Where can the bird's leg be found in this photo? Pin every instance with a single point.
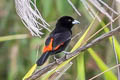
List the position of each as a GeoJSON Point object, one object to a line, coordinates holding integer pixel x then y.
{"type": "Point", "coordinates": [66, 54]}
{"type": "Point", "coordinates": [56, 59]}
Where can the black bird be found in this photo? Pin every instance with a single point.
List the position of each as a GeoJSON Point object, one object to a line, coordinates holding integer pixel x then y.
{"type": "Point", "coordinates": [58, 39]}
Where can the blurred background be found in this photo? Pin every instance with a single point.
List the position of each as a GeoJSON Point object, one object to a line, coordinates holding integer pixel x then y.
{"type": "Point", "coordinates": [18, 49]}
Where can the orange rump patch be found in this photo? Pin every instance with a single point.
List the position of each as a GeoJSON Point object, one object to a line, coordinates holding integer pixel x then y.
{"type": "Point", "coordinates": [49, 47]}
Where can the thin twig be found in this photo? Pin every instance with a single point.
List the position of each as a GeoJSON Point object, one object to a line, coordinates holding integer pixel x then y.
{"type": "Point", "coordinates": [113, 11]}
{"type": "Point", "coordinates": [101, 29]}
{"type": "Point", "coordinates": [113, 42]}
{"type": "Point", "coordinates": [59, 73]}
{"type": "Point", "coordinates": [74, 53]}
{"type": "Point", "coordinates": [100, 8]}
{"type": "Point", "coordinates": [87, 7]}
{"type": "Point", "coordinates": [93, 12]}
{"type": "Point", "coordinates": [74, 7]}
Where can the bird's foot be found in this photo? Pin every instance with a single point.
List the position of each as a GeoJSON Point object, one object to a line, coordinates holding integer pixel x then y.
{"type": "Point", "coordinates": [66, 54]}
{"type": "Point", "coordinates": [56, 60]}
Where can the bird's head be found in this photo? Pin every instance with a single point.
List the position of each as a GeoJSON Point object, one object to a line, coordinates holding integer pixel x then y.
{"type": "Point", "coordinates": [67, 22]}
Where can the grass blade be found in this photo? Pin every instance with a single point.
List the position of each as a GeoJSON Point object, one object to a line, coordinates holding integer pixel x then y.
{"type": "Point", "coordinates": [108, 75]}
{"type": "Point", "coordinates": [80, 67]}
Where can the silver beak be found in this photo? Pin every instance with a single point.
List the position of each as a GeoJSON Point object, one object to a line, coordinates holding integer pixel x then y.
{"type": "Point", "coordinates": [75, 22]}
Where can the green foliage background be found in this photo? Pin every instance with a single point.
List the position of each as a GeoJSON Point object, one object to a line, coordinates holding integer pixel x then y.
{"type": "Point", "coordinates": [18, 53]}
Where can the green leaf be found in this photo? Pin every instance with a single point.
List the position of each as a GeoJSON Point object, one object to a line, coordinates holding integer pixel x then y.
{"type": "Point", "coordinates": [80, 67]}
{"type": "Point", "coordinates": [108, 75]}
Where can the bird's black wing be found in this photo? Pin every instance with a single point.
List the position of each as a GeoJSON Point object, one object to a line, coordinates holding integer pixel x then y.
{"type": "Point", "coordinates": [61, 38]}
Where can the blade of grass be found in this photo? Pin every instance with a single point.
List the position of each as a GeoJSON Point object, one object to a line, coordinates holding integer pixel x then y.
{"type": "Point", "coordinates": [30, 72]}
{"type": "Point", "coordinates": [80, 67]}
{"type": "Point", "coordinates": [108, 75]}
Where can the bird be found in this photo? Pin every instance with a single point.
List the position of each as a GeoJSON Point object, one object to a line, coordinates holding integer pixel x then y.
{"type": "Point", "coordinates": [58, 39]}
{"type": "Point", "coordinates": [56, 42]}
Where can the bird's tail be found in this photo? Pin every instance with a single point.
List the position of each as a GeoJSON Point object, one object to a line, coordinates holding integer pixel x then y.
{"type": "Point", "coordinates": [43, 58]}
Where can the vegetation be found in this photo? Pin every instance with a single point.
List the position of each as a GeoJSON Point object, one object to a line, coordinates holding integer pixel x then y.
{"type": "Point", "coordinates": [18, 48]}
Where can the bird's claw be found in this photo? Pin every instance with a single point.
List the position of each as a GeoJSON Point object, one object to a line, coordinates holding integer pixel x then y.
{"type": "Point", "coordinates": [56, 60]}
{"type": "Point", "coordinates": [66, 54]}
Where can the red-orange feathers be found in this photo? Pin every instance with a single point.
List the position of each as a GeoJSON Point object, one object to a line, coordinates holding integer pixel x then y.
{"type": "Point", "coordinates": [49, 47]}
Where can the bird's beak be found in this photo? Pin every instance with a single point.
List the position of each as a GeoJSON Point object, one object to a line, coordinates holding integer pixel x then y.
{"type": "Point", "coordinates": [75, 22]}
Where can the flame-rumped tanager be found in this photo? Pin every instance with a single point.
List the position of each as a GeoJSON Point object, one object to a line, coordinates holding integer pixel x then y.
{"type": "Point", "coordinates": [58, 39]}
{"type": "Point", "coordinates": [56, 42]}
